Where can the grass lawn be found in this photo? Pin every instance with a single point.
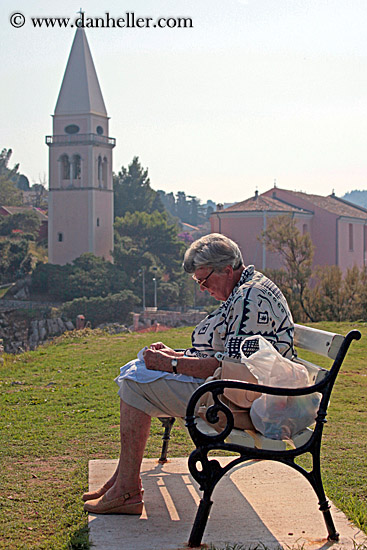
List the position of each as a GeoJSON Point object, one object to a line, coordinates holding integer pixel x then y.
{"type": "Point", "coordinates": [59, 408]}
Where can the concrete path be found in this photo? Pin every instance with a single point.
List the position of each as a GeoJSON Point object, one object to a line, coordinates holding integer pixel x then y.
{"type": "Point", "coordinates": [260, 502]}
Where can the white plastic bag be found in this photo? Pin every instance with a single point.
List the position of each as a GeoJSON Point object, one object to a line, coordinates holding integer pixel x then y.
{"type": "Point", "coordinates": [276, 416]}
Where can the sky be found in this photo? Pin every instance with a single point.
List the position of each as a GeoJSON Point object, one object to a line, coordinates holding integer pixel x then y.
{"type": "Point", "coordinates": [256, 91]}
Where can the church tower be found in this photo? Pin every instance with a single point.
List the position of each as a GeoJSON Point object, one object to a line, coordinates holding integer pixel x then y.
{"type": "Point", "coordinates": [80, 164]}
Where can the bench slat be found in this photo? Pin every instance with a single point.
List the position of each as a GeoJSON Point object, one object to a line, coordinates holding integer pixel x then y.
{"type": "Point", "coordinates": [318, 341]}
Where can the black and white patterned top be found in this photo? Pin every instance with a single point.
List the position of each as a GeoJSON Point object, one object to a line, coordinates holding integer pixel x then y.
{"type": "Point", "coordinates": [255, 306]}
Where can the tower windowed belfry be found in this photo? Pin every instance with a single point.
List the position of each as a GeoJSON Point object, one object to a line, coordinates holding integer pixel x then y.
{"type": "Point", "coordinates": [80, 164]}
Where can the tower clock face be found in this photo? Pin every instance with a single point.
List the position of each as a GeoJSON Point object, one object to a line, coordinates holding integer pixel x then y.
{"type": "Point", "coordinates": [72, 129]}
{"type": "Point", "coordinates": [99, 130]}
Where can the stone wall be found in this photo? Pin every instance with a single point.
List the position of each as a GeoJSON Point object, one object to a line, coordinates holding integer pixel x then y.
{"type": "Point", "coordinates": [8, 305]}
{"type": "Point", "coordinates": [172, 318]}
{"type": "Point", "coordinates": [19, 335]}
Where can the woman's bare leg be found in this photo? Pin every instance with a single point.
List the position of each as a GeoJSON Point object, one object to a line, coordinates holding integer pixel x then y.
{"type": "Point", "coordinates": [134, 432]}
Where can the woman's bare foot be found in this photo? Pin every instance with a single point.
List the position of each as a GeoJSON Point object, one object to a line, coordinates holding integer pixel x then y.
{"type": "Point", "coordinates": [92, 495]}
{"type": "Point", "coordinates": [117, 492]}
{"type": "Point", "coordinates": [130, 503]}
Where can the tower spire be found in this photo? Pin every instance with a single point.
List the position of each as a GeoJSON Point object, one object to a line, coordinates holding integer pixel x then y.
{"type": "Point", "coordinates": [80, 90]}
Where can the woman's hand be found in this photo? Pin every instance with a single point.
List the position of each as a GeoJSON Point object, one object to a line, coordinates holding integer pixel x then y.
{"type": "Point", "coordinates": [156, 359]}
{"type": "Point", "coordinates": [159, 346]}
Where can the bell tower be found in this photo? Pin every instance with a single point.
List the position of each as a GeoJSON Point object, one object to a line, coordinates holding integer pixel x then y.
{"type": "Point", "coordinates": [80, 164]}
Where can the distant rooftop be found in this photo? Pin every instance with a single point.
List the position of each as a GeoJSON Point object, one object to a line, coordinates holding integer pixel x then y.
{"type": "Point", "coordinates": [21, 209]}
{"type": "Point", "coordinates": [334, 204]}
{"type": "Point", "coordinates": [267, 203]}
{"type": "Point", "coordinates": [260, 203]}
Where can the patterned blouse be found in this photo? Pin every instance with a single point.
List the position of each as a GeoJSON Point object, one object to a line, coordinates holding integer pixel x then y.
{"type": "Point", "coordinates": [255, 306]}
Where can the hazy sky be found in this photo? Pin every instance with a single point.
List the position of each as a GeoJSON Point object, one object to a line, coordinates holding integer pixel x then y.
{"type": "Point", "coordinates": [257, 90]}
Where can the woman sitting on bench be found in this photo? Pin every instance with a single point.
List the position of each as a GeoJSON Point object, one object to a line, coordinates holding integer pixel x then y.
{"type": "Point", "coordinates": [251, 304]}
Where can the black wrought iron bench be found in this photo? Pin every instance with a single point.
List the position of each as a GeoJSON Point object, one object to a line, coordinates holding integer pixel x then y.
{"type": "Point", "coordinates": [250, 445]}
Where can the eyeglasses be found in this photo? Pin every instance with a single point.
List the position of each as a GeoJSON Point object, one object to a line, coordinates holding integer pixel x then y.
{"type": "Point", "coordinates": [202, 282]}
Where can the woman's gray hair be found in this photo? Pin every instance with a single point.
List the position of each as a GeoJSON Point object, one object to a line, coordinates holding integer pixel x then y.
{"type": "Point", "coordinates": [215, 251]}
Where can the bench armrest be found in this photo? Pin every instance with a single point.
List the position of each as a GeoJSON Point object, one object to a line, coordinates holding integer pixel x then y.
{"type": "Point", "coordinates": [216, 388]}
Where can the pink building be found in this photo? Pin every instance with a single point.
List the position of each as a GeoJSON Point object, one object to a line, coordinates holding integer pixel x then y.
{"type": "Point", "coordinates": [338, 228]}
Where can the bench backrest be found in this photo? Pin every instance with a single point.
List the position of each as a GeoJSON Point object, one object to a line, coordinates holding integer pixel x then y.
{"type": "Point", "coordinates": [318, 341]}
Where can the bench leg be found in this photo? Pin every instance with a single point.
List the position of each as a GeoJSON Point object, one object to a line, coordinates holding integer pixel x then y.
{"type": "Point", "coordinates": [167, 424]}
{"type": "Point", "coordinates": [324, 505]}
{"type": "Point", "coordinates": [200, 522]}
{"type": "Point", "coordinates": [325, 509]}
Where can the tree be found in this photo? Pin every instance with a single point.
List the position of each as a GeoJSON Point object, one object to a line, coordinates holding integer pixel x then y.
{"type": "Point", "coordinates": [150, 242]}
{"type": "Point", "coordinates": [335, 298]}
{"type": "Point", "coordinates": [187, 208]}
{"type": "Point", "coordinates": [5, 155]}
{"type": "Point", "coordinates": [132, 191]}
{"type": "Point", "coordinates": [27, 222]}
{"type": "Point", "coordinates": [283, 237]}
{"type": "Point", "coordinates": [97, 310]}
{"type": "Point", "coordinates": [9, 194]}
{"type": "Point", "coordinates": [14, 260]}
{"type": "Point", "coordinates": [88, 276]}
{"type": "Point", "coordinates": [182, 207]}
{"type": "Point", "coordinates": [169, 202]}
{"type": "Point", "coordinates": [152, 234]}
{"type": "Point", "coordinates": [23, 182]}
{"type": "Point", "coordinates": [40, 196]}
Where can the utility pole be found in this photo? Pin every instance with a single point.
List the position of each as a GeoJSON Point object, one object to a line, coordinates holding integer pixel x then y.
{"type": "Point", "coordinates": [142, 273]}
{"type": "Point", "coordinates": [155, 287]}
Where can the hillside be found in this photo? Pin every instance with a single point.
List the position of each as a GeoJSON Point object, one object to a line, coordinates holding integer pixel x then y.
{"type": "Point", "coordinates": [357, 197]}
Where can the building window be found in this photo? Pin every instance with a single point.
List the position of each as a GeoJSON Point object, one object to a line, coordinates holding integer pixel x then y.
{"type": "Point", "coordinates": [65, 167]}
{"type": "Point", "coordinates": [350, 236]}
{"type": "Point", "coordinates": [104, 172]}
{"type": "Point", "coordinates": [76, 167]}
{"type": "Point", "coordinates": [304, 229]}
{"type": "Point", "coordinates": [97, 222]}
{"type": "Point", "coordinates": [72, 129]}
{"type": "Point", "coordinates": [60, 237]}
{"type": "Point", "coordinates": [99, 171]}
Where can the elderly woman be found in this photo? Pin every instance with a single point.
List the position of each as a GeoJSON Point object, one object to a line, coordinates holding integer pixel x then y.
{"type": "Point", "coordinates": [251, 304]}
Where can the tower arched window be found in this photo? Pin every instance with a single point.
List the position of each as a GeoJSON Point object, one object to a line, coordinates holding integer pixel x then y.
{"type": "Point", "coordinates": [77, 167]}
{"type": "Point", "coordinates": [65, 167]}
{"type": "Point", "coordinates": [99, 172]}
{"type": "Point", "coordinates": [104, 172]}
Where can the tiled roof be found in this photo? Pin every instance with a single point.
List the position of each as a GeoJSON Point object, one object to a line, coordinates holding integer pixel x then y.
{"type": "Point", "coordinates": [333, 204]}
{"type": "Point", "coordinates": [19, 209]}
{"type": "Point", "coordinates": [260, 203]}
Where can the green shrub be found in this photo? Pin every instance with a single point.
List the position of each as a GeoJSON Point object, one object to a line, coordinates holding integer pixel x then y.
{"type": "Point", "coordinates": [111, 309]}
{"type": "Point", "coordinates": [14, 260]}
{"type": "Point", "coordinates": [87, 276]}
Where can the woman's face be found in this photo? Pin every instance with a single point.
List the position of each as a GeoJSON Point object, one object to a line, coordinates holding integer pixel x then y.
{"type": "Point", "coordinates": [218, 284]}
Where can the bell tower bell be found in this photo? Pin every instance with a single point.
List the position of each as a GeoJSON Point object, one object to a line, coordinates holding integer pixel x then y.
{"type": "Point", "coordinates": [80, 164]}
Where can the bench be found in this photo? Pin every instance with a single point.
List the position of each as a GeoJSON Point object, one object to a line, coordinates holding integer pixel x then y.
{"type": "Point", "coordinates": [251, 445]}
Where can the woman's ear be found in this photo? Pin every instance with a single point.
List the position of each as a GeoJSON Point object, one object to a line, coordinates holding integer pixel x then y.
{"type": "Point", "coordinates": [228, 269]}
